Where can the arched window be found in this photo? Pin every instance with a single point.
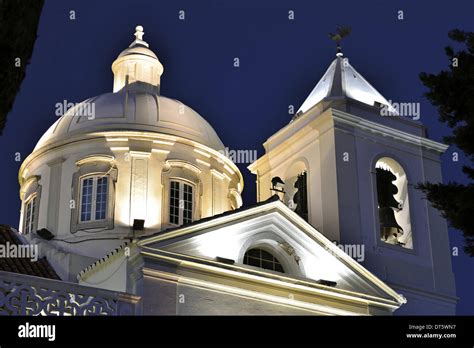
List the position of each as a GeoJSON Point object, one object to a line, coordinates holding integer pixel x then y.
{"type": "Point", "coordinates": [393, 203]}
{"type": "Point", "coordinates": [296, 188]}
{"type": "Point", "coordinates": [300, 198]}
{"type": "Point", "coordinates": [262, 259]}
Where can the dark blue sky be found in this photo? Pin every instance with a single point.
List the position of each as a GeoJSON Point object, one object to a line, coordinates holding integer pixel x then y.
{"type": "Point", "coordinates": [281, 61]}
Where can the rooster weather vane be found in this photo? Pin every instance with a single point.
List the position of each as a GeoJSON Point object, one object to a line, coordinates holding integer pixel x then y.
{"type": "Point", "coordinates": [338, 36]}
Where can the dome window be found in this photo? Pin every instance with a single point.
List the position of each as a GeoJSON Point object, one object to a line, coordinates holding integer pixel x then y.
{"type": "Point", "coordinates": [30, 194]}
{"type": "Point", "coordinates": [94, 195]}
{"type": "Point", "coordinates": [30, 212]}
{"type": "Point", "coordinates": [180, 203]}
{"type": "Point", "coordinates": [182, 193]}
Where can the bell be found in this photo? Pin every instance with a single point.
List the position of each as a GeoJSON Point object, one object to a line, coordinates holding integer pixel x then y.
{"type": "Point", "coordinates": [387, 219]}
{"type": "Point", "coordinates": [389, 228]}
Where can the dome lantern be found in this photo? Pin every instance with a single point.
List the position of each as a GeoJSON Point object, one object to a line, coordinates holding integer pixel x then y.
{"type": "Point", "coordinates": [137, 66]}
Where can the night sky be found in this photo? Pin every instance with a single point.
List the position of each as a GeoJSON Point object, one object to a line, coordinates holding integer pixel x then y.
{"type": "Point", "coordinates": [280, 62]}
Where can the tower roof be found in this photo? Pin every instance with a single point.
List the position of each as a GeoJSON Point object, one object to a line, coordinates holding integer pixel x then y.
{"type": "Point", "coordinates": [341, 80]}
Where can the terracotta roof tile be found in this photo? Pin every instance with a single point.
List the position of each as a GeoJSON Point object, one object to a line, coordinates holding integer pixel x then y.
{"type": "Point", "coordinates": [40, 268]}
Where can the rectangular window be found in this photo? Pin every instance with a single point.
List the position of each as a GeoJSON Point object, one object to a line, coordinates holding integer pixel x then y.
{"type": "Point", "coordinates": [174, 203]}
{"type": "Point", "coordinates": [188, 204]}
{"type": "Point", "coordinates": [94, 192]}
{"type": "Point", "coordinates": [30, 207]}
{"type": "Point", "coordinates": [181, 203]}
{"type": "Point", "coordinates": [101, 199]}
{"type": "Point", "coordinates": [86, 199]}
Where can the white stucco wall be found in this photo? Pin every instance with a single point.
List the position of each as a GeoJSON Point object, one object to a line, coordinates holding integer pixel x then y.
{"type": "Point", "coordinates": [213, 191]}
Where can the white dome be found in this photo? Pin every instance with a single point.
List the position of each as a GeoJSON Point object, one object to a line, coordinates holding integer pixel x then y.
{"type": "Point", "coordinates": [135, 105]}
{"type": "Point", "coordinates": [137, 49]}
{"type": "Point", "coordinates": [133, 110]}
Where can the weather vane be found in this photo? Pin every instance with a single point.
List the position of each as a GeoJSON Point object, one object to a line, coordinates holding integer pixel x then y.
{"type": "Point", "coordinates": [341, 33]}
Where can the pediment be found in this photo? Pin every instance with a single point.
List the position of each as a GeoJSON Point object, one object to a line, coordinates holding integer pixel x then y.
{"type": "Point", "coordinates": [305, 254]}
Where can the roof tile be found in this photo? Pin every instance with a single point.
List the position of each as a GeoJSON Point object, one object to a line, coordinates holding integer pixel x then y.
{"type": "Point", "coordinates": [40, 268]}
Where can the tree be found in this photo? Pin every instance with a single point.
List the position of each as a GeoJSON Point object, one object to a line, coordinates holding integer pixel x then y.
{"type": "Point", "coordinates": [18, 25]}
{"type": "Point", "coordinates": [452, 92]}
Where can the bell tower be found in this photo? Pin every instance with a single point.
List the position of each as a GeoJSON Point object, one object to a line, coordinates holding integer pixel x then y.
{"type": "Point", "coordinates": [361, 160]}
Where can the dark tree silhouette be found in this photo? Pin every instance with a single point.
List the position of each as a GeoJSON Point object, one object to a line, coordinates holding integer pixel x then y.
{"type": "Point", "coordinates": [18, 25]}
{"type": "Point", "coordinates": [452, 92]}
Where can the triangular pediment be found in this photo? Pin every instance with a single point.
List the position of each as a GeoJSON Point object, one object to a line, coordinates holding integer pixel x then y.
{"type": "Point", "coordinates": [305, 254]}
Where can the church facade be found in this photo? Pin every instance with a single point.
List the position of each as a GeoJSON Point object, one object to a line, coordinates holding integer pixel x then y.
{"type": "Point", "coordinates": [138, 197]}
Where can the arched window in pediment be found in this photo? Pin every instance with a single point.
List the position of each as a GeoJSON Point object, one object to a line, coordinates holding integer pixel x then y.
{"type": "Point", "coordinates": [261, 258]}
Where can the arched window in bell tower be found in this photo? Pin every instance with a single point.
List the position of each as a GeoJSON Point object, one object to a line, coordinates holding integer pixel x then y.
{"type": "Point", "coordinates": [300, 198]}
{"type": "Point", "coordinates": [295, 188]}
{"type": "Point", "coordinates": [393, 203]}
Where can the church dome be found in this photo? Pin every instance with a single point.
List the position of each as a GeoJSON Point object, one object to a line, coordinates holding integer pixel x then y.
{"type": "Point", "coordinates": [126, 157]}
{"type": "Point", "coordinates": [133, 110]}
{"type": "Point", "coordinates": [138, 49]}
{"type": "Point", "coordinates": [135, 105]}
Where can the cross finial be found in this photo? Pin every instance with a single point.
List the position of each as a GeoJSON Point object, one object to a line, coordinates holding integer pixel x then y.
{"type": "Point", "coordinates": [139, 36]}
{"type": "Point", "coordinates": [139, 32]}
